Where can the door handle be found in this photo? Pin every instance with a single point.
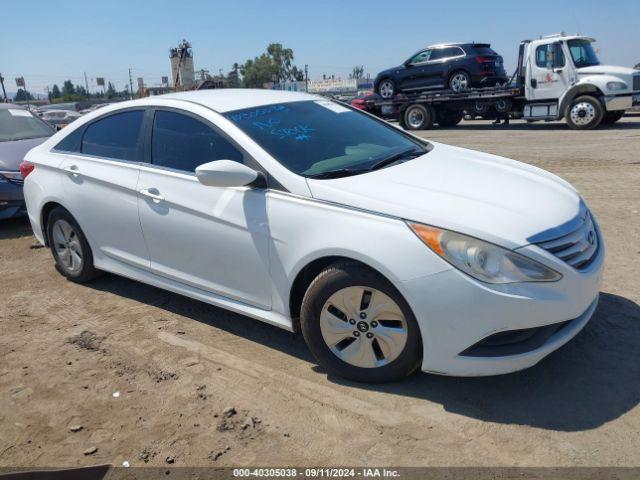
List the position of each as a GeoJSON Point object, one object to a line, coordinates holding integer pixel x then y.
{"type": "Point", "coordinates": [153, 194]}
{"type": "Point", "coordinates": [72, 170]}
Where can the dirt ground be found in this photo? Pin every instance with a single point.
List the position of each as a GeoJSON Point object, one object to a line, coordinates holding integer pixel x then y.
{"type": "Point", "coordinates": [149, 377]}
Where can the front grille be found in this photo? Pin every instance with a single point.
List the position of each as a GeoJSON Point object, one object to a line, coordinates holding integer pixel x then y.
{"type": "Point", "coordinates": [578, 248]}
{"type": "Point", "coordinates": [636, 82]}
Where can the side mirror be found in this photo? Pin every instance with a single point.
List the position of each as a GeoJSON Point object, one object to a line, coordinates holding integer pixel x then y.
{"type": "Point", "coordinates": [225, 173]}
{"type": "Point", "coordinates": [408, 64]}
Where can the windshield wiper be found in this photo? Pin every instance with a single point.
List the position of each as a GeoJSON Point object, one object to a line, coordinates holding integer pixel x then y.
{"type": "Point", "coordinates": [403, 155]}
{"type": "Point", "coordinates": [341, 172]}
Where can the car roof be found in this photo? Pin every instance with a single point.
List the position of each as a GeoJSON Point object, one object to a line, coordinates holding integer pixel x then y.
{"type": "Point", "coordinates": [460, 44]}
{"type": "Point", "coordinates": [228, 99]}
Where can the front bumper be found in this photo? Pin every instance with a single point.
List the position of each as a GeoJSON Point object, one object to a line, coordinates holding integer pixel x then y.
{"type": "Point", "coordinates": [11, 200]}
{"type": "Point", "coordinates": [456, 312]}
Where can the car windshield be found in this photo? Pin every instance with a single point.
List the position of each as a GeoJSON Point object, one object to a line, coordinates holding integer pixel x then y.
{"type": "Point", "coordinates": [582, 53]}
{"type": "Point", "coordinates": [19, 124]}
{"type": "Point", "coordinates": [317, 138]}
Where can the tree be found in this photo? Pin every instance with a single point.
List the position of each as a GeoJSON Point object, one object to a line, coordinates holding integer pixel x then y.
{"type": "Point", "coordinates": [358, 72]}
{"type": "Point", "coordinates": [276, 65]}
{"type": "Point", "coordinates": [55, 92]}
{"type": "Point", "coordinates": [68, 89]}
{"type": "Point", "coordinates": [22, 95]}
{"type": "Point", "coordinates": [234, 76]}
{"type": "Point", "coordinates": [111, 91]}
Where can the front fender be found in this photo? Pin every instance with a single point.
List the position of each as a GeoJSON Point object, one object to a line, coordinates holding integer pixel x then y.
{"type": "Point", "coordinates": [585, 85]}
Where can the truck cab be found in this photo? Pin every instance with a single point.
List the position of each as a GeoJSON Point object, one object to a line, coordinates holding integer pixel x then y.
{"type": "Point", "coordinates": [562, 78]}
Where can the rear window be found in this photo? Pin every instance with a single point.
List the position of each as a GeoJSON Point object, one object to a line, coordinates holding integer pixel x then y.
{"type": "Point", "coordinates": [483, 50]}
{"type": "Point", "coordinates": [115, 136]}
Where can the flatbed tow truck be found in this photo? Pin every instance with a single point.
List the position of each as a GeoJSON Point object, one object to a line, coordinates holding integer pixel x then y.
{"type": "Point", "coordinates": [558, 76]}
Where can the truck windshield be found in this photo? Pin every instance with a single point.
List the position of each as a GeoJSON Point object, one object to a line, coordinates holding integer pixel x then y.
{"type": "Point", "coordinates": [324, 139]}
{"type": "Point", "coordinates": [582, 53]}
{"type": "Point", "coordinates": [19, 124]}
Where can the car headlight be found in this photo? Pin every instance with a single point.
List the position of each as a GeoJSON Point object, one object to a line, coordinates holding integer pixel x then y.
{"type": "Point", "coordinates": [482, 260]}
{"type": "Point", "coordinates": [616, 86]}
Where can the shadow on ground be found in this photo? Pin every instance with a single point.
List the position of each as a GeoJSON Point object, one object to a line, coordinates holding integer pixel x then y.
{"type": "Point", "coordinates": [592, 380]}
{"type": "Point", "coordinates": [15, 228]}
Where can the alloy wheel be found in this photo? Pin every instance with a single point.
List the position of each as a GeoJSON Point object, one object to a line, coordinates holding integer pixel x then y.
{"type": "Point", "coordinates": [386, 89]}
{"type": "Point", "coordinates": [459, 82]}
{"type": "Point", "coordinates": [67, 246]}
{"type": "Point", "coordinates": [363, 327]}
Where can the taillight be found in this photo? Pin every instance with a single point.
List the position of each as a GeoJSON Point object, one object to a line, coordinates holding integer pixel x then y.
{"type": "Point", "coordinates": [484, 59]}
{"type": "Point", "coordinates": [26, 168]}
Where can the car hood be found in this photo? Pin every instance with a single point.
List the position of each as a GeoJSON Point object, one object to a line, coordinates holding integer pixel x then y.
{"type": "Point", "coordinates": [606, 70]}
{"type": "Point", "coordinates": [12, 153]}
{"type": "Point", "coordinates": [493, 198]}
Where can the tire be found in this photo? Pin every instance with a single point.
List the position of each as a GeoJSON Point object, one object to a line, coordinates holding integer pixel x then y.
{"type": "Point", "coordinates": [450, 119]}
{"type": "Point", "coordinates": [417, 117]}
{"type": "Point", "coordinates": [584, 113]}
{"type": "Point", "coordinates": [610, 118]}
{"type": "Point", "coordinates": [459, 81]}
{"type": "Point", "coordinates": [386, 88]}
{"type": "Point", "coordinates": [347, 343]}
{"type": "Point", "coordinates": [69, 246]}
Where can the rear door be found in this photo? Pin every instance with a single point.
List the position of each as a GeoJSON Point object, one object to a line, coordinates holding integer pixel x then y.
{"type": "Point", "coordinates": [99, 177]}
{"type": "Point", "coordinates": [212, 238]}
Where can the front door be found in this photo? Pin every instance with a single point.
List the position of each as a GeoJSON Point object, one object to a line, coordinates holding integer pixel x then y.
{"type": "Point", "coordinates": [212, 238]}
{"type": "Point", "coordinates": [548, 75]}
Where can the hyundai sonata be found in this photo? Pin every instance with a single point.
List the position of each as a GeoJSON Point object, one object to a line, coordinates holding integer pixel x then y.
{"type": "Point", "coordinates": [389, 253]}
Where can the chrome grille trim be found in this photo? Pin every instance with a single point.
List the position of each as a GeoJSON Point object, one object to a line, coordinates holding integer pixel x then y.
{"type": "Point", "coordinates": [578, 248]}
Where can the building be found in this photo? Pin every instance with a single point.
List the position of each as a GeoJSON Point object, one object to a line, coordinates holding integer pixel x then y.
{"type": "Point", "coordinates": [182, 72]}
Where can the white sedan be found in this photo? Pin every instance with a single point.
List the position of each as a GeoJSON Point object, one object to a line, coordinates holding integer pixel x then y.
{"type": "Point", "coordinates": [388, 252]}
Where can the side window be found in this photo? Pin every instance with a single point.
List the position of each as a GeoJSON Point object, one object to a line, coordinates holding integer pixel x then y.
{"type": "Point", "coordinates": [421, 57]}
{"type": "Point", "coordinates": [181, 142]}
{"type": "Point", "coordinates": [115, 136]}
{"type": "Point", "coordinates": [541, 56]}
{"type": "Point", "coordinates": [446, 52]}
{"type": "Point", "coordinates": [70, 143]}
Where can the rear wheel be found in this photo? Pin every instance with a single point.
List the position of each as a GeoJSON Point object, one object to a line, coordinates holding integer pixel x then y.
{"type": "Point", "coordinates": [610, 118]}
{"type": "Point", "coordinates": [417, 117]}
{"type": "Point", "coordinates": [387, 88]}
{"type": "Point", "coordinates": [583, 113]}
{"type": "Point", "coordinates": [69, 247]}
{"type": "Point", "coordinates": [358, 326]}
{"type": "Point", "coordinates": [459, 81]}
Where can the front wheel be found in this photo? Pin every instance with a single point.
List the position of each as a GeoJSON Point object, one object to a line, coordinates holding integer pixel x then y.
{"type": "Point", "coordinates": [584, 113]}
{"type": "Point", "coordinates": [387, 88]}
{"type": "Point", "coordinates": [358, 326]}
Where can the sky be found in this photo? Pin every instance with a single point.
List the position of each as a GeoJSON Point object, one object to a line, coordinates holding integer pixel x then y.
{"type": "Point", "coordinates": [48, 42]}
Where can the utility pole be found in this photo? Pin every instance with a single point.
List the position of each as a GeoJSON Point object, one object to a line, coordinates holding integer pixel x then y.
{"type": "Point", "coordinates": [4, 92]}
{"type": "Point", "coordinates": [306, 78]}
{"type": "Point", "coordinates": [86, 84]}
{"type": "Point", "coordinates": [130, 86]}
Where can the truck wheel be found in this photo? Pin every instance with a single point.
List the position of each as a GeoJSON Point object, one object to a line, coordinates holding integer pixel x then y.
{"type": "Point", "coordinates": [418, 117]}
{"type": "Point", "coordinates": [584, 113]}
{"type": "Point", "coordinates": [450, 119]}
{"type": "Point", "coordinates": [612, 117]}
{"type": "Point", "coordinates": [387, 88]}
{"type": "Point", "coordinates": [459, 81]}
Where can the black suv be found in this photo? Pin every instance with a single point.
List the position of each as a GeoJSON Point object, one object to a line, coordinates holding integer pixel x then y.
{"type": "Point", "coordinates": [456, 66]}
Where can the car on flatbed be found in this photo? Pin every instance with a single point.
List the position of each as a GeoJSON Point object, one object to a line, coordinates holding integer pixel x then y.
{"type": "Point", "coordinates": [457, 66]}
